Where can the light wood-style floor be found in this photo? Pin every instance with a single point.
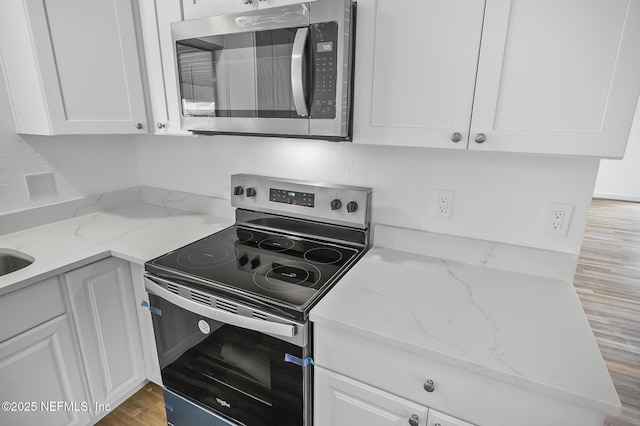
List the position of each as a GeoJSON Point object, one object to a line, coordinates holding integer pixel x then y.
{"type": "Point", "coordinates": [144, 408]}
{"type": "Point", "coordinates": [608, 285]}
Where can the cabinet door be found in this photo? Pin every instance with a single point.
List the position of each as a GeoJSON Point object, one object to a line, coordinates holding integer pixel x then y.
{"type": "Point", "coordinates": [82, 67]}
{"type": "Point", "coordinates": [340, 401]}
{"type": "Point", "coordinates": [155, 22]}
{"type": "Point", "coordinates": [558, 77]}
{"type": "Point", "coordinates": [415, 71]}
{"type": "Point", "coordinates": [103, 307]}
{"type": "Point", "coordinates": [41, 373]}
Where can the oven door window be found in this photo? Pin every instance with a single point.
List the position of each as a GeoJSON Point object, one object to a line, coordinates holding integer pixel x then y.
{"type": "Point", "coordinates": [238, 373]}
{"type": "Point", "coordinates": [238, 75]}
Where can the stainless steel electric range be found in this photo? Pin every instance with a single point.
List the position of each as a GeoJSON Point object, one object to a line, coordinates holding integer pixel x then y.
{"type": "Point", "coordinates": [230, 311]}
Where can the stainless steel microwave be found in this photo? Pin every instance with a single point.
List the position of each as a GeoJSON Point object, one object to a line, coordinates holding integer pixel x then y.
{"type": "Point", "coordinates": [282, 71]}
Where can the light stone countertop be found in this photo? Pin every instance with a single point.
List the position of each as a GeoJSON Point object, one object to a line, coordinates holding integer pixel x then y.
{"type": "Point", "coordinates": [136, 233]}
{"type": "Point", "coordinates": [520, 328]}
{"type": "Point", "coordinates": [470, 306]}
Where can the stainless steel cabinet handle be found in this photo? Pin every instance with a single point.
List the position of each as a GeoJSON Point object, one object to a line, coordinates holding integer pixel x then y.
{"type": "Point", "coordinates": [161, 125]}
{"type": "Point", "coordinates": [429, 386]}
{"type": "Point", "coordinates": [297, 65]}
{"type": "Point", "coordinates": [480, 137]}
{"type": "Point", "coordinates": [285, 330]}
{"type": "Point", "coordinates": [413, 421]}
{"type": "Point", "coordinates": [138, 126]}
{"type": "Point", "coordinates": [456, 137]}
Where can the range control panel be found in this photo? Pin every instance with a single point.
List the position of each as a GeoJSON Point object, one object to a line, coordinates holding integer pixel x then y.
{"type": "Point", "coordinates": [332, 203]}
{"type": "Point", "coordinates": [287, 196]}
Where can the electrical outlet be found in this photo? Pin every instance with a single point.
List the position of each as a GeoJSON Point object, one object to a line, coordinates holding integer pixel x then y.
{"type": "Point", "coordinates": [557, 218]}
{"type": "Point", "coordinates": [443, 203]}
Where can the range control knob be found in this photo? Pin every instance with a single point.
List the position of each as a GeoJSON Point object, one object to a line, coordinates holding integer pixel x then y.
{"type": "Point", "coordinates": [238, 190]}
{"type": "Point", "coordinates": [255, 262]}
{"type": "Point", "coordinates": [251, 192]}
{"type": "Point", "coordinates": [352, 206]}
{"type": "Point", "coordinates": [336, 204]}
{"type": "Point", "coordinates": [243, 260]}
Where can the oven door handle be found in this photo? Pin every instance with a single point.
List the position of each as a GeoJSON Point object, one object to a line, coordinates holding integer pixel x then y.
{"type": "Point", "coordinates": [262, 326]}
{"type": "Point", "coordinates": [297, 67]}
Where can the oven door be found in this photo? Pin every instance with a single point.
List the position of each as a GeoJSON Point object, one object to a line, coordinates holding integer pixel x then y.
{"type": "Point", "coordinates": [244, 73]}
{"type": "Point", "coordinates": [234, 374]}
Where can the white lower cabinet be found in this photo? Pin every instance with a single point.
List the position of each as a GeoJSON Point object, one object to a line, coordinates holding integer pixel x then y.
{"type": "Point", "coordinates": [340, 400]}
{"type": "Point", "coordinates": [362, 381]}
{"type": "Point", "coordinates": [103, 305]}
{"type": "Point", "coordinates": [71, 347]}
{"type": "Point", "coordinates": [40, 382]}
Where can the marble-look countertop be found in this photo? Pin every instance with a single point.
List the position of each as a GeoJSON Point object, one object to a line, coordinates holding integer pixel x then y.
{"type": "Point", "coordinates": [521, 328]}
{"type": "Point", "coordinates": [136, 233]}
{"type": "Point", "coordinates": [477, 305]}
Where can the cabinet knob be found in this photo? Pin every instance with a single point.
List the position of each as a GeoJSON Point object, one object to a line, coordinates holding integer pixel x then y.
{"type": "Point", "coordinates": [138, 126]}
{"type": "Point", "coordinates": [456, 137]}
{"type": "Point", "coordinates": [429, 386]}
{"type": "Point", "coordinates": [480, 137]}
{"type": "Point", "coordinates": [161, 125]}
{"type": "Point", "coordinates": [413, 421]}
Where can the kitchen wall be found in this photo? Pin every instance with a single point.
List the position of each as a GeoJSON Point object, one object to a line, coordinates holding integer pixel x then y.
{"type": "Point", "coordinates": [620, 179]}
{"type": "Point", "coordinates": [499, 197]}
{"type": "Point", "coordinates": [80, 165]}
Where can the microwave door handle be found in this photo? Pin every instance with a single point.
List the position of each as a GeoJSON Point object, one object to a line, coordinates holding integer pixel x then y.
{"type": "Point", "coordinates": [297, 67]}
{"type": "Point", "coordinates": [262, 326]}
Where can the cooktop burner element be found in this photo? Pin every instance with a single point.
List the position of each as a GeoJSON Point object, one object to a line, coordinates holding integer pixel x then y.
{"type": "Point", "coordinates": [323, 255]}
{"type": "Point", "coordinates": [282, 253]}
{"type": "Point", "coordinates": [276, 244]}
{"type": "Point", "coordinates": [207, 257]}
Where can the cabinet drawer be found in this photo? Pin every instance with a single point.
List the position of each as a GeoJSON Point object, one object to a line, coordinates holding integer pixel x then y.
{"type": "Point", "coordinates": [461, 393]}
{"type": "Point", "coordinates": [25, 308]}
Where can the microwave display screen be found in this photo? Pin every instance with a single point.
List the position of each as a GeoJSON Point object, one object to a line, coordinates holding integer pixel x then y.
{"type": "Point", "coordinates": [325, 46]}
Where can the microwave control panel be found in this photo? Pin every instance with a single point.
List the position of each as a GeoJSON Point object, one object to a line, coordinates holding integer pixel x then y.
{"type": "Point", "coordinates": [324, 48]}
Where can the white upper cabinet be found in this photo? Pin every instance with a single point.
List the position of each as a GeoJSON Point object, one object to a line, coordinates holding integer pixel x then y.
{"type": "Point", "coordinates": [202, 8]}
{"type": "Point", "coordinates": [415, 71]}
{"type": "Point", "coordinates": [558, 77]}
{"type": "Point", "coordinates": [155, 19]}
{"type": "Point", "coordinates": [553, 77]}
{"type": "Point", "coordinates": [72, 66]}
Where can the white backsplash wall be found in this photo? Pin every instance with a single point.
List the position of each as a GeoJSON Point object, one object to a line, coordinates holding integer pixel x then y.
{"type": "Point", "coordinates": [81, 165]}
{"type": "Point", "coordinates": [498, 197]}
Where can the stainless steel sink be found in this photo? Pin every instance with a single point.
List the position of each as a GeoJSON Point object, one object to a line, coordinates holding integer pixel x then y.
{"type": "Point", "coordinates": [11, 261]}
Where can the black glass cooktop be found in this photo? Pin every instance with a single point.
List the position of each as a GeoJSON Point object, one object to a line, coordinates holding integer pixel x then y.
{"type": "Point", "coordinates": [264, 266]}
